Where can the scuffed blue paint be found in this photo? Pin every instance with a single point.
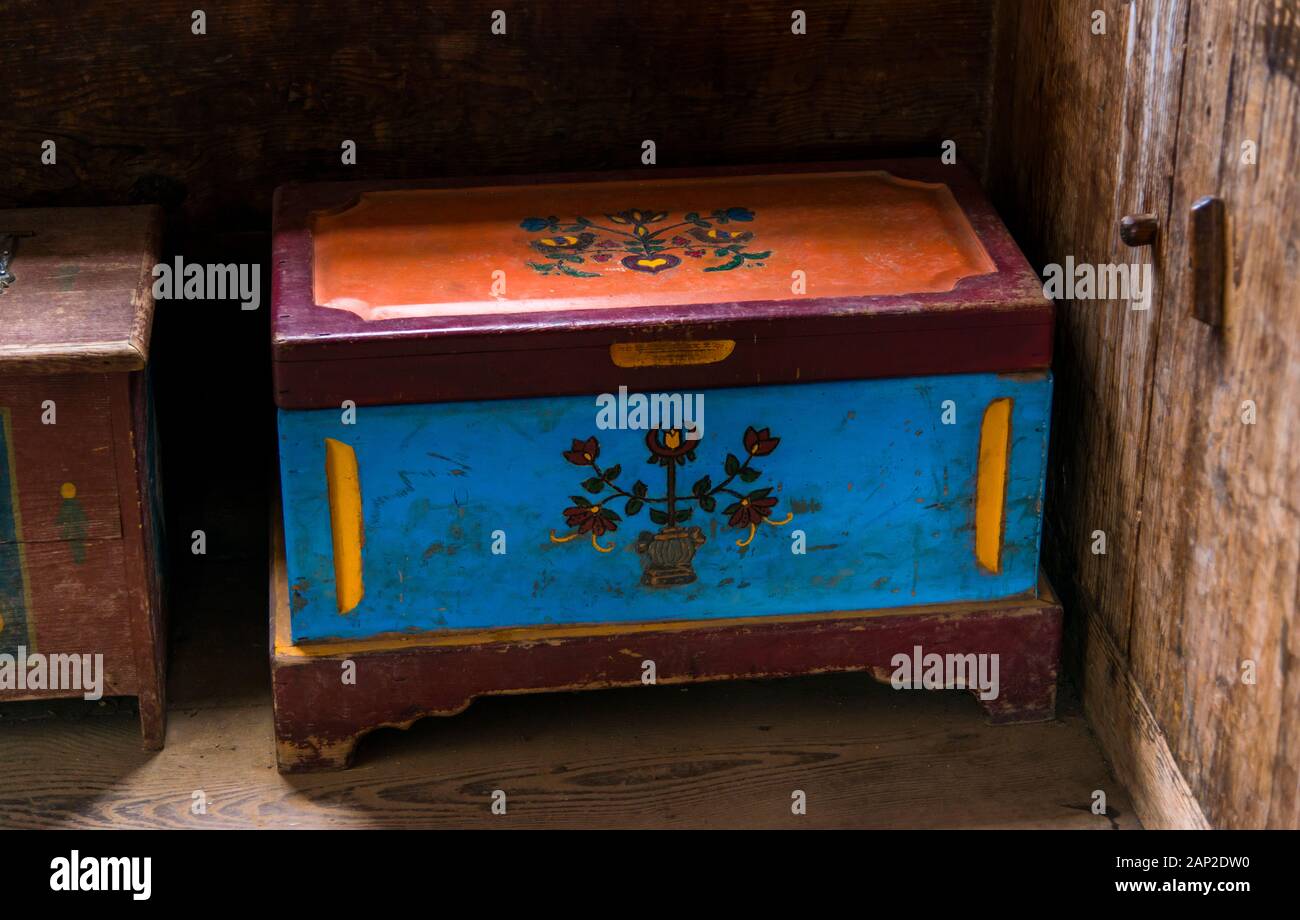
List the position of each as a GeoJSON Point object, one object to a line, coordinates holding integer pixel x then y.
{"type": "Point", "coordinates": [883, 491]}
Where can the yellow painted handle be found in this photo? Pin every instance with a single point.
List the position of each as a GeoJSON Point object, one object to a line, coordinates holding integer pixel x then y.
{"type": "Point", "coordinates": [345, 522]}
{"type": "Point", "coordinates": [991, 486]}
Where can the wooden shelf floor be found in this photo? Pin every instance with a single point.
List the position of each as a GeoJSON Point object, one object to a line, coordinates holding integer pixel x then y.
{"type": "Point", "coordinates": [707, 756]}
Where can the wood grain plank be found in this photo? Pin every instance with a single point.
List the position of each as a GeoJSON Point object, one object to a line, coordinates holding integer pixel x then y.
{"type": "Point", "coordinates": [1087, 126]}
{"type": "Point", "coordinates": [1122, 719]}
{"type": "Point", "coordinates": [83, 299]}
{"type": "Point", "coordinates": [711, 756]}
{"type": "Point", "coordinates": [1200, 509]}
{"type": "Point", "coordinates": [1084, 135]}
{"type": "Point", "coordinates": [1220, 545]}
{"type": "Point", "coordinates": [211, 124]}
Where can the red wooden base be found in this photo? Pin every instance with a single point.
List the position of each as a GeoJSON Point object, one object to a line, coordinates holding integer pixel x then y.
{"type": "Point", "coordinates": [321, 711]}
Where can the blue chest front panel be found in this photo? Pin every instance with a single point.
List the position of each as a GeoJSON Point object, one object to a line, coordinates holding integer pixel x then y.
{"type": "Point", "coordinates": [465, 505]}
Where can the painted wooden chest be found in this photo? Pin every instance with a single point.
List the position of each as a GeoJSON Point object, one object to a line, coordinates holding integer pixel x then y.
{"type": "Point", "coordinates": [693, 407]}
{"type": "Point", "coordinates": [80, 524]}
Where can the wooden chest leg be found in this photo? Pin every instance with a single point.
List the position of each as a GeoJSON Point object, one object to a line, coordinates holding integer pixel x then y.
{"type": "Point", "coordinates": [302, 755]}
{"type": "Point", "coordinates": [313, 730]}
{"type": "Point", "coordinates": [153, 719]}
{"type": "Point", "coordinates": [319, 719]}
{"type": "Point", "coordinates": [328, 740]}
{"type": "Point", "coordinates": [1031, 701]}
{"type": "Point", "coordinates": [1025, 644]}
{"type": "Point", "coordinates": [1028, 673]}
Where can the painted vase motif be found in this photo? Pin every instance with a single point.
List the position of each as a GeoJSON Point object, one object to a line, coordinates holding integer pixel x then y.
{"type": "Point", "coordinates": [666, 555]}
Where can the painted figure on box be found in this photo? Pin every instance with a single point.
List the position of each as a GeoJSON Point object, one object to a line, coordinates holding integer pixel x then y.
{"type": "Point", "coordinates": [666, 554]}
{"type": "Point", "coordinates": [646, 250]}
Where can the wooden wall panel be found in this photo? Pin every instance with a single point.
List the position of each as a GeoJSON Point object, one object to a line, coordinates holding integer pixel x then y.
{"type": "Point", "coordinates": [1201, 510]}
{"type": "Point", "coordinates": [143, 110]}
{"type": "Point", "coordinates": [1083, 133]}
{"type": "Point", "coordinates": [1220, 542]}
{"type": "Point", "coordinates": [1079, 123]}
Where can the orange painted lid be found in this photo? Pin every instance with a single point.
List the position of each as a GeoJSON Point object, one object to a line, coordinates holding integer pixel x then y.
{"type": "Point", "coordinates": [412, 253]}
{"type": "Point", "coordinates": [405, 270]}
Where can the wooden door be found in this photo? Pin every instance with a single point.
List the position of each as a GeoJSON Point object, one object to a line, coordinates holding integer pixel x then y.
{"type": "Point", "coordinates": [1219, 544]}
{"type": "Point", "coordinates": [1150, 445]}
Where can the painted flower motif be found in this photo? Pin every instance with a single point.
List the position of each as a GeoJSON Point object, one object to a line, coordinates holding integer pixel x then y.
{"type": "Point", "coordinates": [667, 554]}
{"type": "Point", "coordinates": [583, 453]}
{"type": "Point", "coordinates": [643, 248]}
{"type": "Point", "coordinates": [669, 446]}
{"type": "Point", "coordinates": [722, 236]}
{"type": "Point", "coordinates": [537, 224]}
{"type": "Point", "coordinates": [588, 518]}
{"type": "Point", "coordinates": [637, 216]}
{"type": "Point", "coordinates": [652, 264]}
{"type": "Point", "coordinates": [564, 243]}
{"type": "Point", "coordinates": [760, 443]}
{"type": "Point", "coordinates": [750, 510]}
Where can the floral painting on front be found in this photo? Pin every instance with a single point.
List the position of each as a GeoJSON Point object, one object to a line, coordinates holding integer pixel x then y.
{"type": "Point", "coordinates": [644, 241]}
{"type": "Point", "coordinates": [666, 554]}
